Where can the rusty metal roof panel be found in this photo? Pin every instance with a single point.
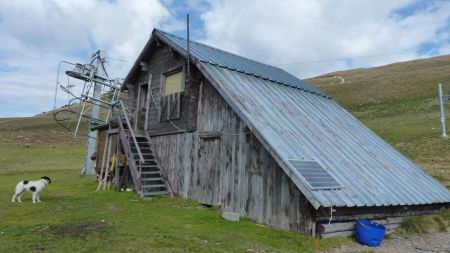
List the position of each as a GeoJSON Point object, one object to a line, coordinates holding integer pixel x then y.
{"type": "Point", "coordinates": [299, 125]}
{"type": "Point", "coordinates": [218, 57]}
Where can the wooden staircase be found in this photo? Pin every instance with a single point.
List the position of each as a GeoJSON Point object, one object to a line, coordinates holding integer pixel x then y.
{"type": "Point", "coordinates": [148, 177]}
{"type": "Point", "coordinates": [151, 178]}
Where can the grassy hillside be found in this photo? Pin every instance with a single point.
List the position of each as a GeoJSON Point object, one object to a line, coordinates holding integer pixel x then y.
{"type": "Point", "coordinates": [404, 81]}
{"type": "Point", "coordinates": [399, 102]}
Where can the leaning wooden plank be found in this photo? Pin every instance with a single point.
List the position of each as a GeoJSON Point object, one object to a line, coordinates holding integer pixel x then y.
{"type": "Point", "coordinates": [334, 234]}
{"type": "Point", "coordinates": [103, 164]}
{"type": "Point", "coordinates": [105, 178]}
{"type": "Point", "coordinates": [335, 227]}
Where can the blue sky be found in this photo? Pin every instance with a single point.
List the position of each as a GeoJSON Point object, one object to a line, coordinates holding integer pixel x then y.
{"type": "Point", "coordinates": [306, 37]}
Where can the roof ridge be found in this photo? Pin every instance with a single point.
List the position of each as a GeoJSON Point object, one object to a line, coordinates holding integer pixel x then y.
{"type": "Point", "coordinates": [218, 49]}
{"type": "Point", "coordinates": [247, 66]}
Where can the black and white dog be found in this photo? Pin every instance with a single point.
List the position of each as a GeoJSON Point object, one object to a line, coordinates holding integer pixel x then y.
{"type": "Point", "coordinates": [35, 187]}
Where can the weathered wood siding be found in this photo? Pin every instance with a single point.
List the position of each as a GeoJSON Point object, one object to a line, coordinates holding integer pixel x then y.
{"type": "Point", "coordinates": [160, 61]}
{"type": "Point", "coordinates": [231, 169]}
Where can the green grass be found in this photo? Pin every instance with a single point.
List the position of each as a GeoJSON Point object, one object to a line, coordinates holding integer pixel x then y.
{"type": "Point", "coordinates": [427, 224]}
{"type": "Point", "coordinates": [412, 79]}
{"type": "Point", "coordinates": [75, 218]}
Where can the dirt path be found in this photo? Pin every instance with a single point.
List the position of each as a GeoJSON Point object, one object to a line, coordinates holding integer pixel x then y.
{"type": "Point", "coordinates": [399, 244]}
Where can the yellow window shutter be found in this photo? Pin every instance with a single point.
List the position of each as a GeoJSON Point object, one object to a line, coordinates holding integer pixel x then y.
{"type": "Point", "coordinates": [173, 83]}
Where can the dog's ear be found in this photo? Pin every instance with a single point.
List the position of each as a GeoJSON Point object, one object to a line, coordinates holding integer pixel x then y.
{"type": "Point", "coordinates": [46, 178]}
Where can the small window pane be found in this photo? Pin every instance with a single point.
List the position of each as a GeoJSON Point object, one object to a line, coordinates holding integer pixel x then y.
{"type": "Point", "coordinates": [172, 83]}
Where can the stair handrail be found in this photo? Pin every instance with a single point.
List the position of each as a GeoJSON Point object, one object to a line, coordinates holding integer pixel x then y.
{"type": "Point", "coordinates": [141, 157]}
{"type": "Point", "coordinates": [130, 157]}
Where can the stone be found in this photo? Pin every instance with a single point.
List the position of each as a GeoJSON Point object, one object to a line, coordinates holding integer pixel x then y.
{"type": "Point", "coordinates": [422, 247]}
{"type": "Point", "coordinates": [231, 216]}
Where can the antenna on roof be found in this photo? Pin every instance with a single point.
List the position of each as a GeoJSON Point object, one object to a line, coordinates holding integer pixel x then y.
{"type": "Point", "coordinates": [188, 50]}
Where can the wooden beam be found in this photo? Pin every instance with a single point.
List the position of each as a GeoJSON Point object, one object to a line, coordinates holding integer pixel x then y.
{"type": "Point", "coordinates": [340, 233]}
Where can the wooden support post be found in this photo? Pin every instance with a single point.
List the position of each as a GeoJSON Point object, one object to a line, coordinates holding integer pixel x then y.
{"type": "Point", "coordinates": [110, 170]}
{"type": "Point", "coordinates": [105, 178]}
{"type": "Point", "coordinates": [103, 163]}
{"type": "Point", "coordinates": [117, 169]}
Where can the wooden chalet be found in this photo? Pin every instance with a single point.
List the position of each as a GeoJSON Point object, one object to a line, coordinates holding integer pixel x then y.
{"type": "Point", "coordinates": [258, 142]}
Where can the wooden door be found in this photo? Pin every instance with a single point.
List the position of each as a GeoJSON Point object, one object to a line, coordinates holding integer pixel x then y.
{"type": "Point", "coordinates": [209, 171]}
{"type": "Point", "coordinates": [141, 107]}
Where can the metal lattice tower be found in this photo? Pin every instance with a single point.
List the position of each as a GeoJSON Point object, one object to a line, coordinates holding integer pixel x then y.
{"type": "Point", "coordinates": [97, 91]}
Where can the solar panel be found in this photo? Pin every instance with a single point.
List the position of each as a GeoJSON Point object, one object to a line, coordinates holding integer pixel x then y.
{"type": "Point", "coordinates": [315, 175]}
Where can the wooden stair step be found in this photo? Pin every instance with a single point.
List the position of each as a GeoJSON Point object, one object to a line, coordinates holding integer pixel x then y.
{"type": "Point", "coordinates": [150, 173]}
{"type": "Point", "coordinates": [133, 149]}
{"type": "Point", "coordinates": [155, 193]}
{"type": "Point", "coordinates": [150, 168]}
{"type": "Point", "coordinates": [136, 156]}
{"type": "Point", "coordinates": [146, 160]}
{"type": "Point", "coordinates": [153, 186]}
{"type": "Point", "coordinates": [150, 179]}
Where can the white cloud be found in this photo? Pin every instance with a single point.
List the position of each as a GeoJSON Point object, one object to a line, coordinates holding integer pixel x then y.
{"type": "Point", "coordinates": [36, 35]}
{"type": "Point", "coordinates": [298, 31]}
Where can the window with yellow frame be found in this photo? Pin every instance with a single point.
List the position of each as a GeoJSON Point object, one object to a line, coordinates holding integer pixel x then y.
{"type": "Point", "coordinates": [173, 83]}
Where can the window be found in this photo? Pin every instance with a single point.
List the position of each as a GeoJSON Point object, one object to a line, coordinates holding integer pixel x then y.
{"type": "Point", "coordinates": [172, 91]}
{"type": "Point", "coordinates": [173, 83]}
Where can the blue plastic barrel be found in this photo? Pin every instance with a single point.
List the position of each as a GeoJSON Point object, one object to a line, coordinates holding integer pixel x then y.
{"type": "Point", "coordinates": [369, 233]}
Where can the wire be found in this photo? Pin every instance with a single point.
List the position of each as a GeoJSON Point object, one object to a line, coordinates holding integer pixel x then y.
{"type": "Point", "coordinates": [115, 59]}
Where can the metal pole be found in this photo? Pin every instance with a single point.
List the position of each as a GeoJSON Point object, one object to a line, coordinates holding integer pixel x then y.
{"type": "Point", "coordinates": [441, 105]}
{"type": "Point", "coordinates": [188, 50]}
{"type": "Point", "coordinates": [89, 166]}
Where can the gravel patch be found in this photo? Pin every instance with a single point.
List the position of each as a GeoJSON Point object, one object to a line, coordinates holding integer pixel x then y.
{"type": "Point", "coordinates": [439, 242]}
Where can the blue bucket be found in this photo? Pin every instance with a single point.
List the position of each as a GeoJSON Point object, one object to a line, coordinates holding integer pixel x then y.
{"type": "Point", "coordinates": [369, 233]}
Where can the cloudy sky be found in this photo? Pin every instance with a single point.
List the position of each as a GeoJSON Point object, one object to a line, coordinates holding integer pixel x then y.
{"type": "Point", "coordinates": [305, 37]}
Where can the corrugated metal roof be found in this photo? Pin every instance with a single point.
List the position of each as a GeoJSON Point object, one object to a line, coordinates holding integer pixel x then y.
{"type": "Point", "coordinates": [299, 125]}
{"type": "Point", "coordinates": [294, 124]}
{"type": "Point", "coordinates": [238, 63]}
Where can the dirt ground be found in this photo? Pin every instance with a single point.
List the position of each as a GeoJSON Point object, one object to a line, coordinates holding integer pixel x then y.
{"type": "Point", "coordinates": [403, 244]}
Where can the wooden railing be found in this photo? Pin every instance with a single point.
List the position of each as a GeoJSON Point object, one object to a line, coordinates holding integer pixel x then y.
{"type": "Point", "coordinates": [134, 169]}
{"type": "Point", "coordinates": [141, 157]}
{"type": "Point", "coordinates": [130, 158]}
